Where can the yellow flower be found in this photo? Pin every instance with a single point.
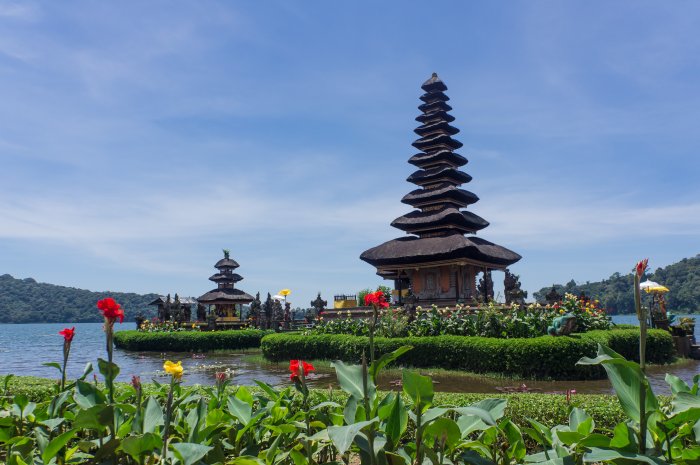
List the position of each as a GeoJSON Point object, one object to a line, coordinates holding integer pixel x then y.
{"type": "Point", "coordinates": [285, 292]}
{"type": "Point", "coordinates": [174, 369]}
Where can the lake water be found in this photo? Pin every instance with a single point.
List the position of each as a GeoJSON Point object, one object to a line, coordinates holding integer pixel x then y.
{"type": "Point", "coordinates": [24, 347]}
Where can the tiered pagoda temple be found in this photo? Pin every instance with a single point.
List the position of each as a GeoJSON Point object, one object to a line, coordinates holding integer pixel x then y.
{"type": "Point", "coordinates": [441, 256]}
{"type": "Point", "coordinates": [226, 299]}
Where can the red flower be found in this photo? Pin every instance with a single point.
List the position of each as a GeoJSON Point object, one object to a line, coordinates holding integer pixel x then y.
{"type": "Point", "coordinates": [294, 366]}
{"type": "Point", "coordinates": [376, 299]}
{"type": "Point", "coordinates": [641, 267]}
{"type": "Point", "coordinates": [111, 310]}
{"type": "Point", "coordinates": [67, 333]}
{"type": "Point", "coordinates": [220, 377]}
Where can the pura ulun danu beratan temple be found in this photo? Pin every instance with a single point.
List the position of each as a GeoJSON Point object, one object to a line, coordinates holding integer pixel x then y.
{"type": "Point", "coordinates": [226, 301]}
{"type": "Point", "coordinates": [441, 256]}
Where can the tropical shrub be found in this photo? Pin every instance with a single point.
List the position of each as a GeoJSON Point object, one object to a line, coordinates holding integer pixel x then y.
{"type": "Point", "coordinates": [489, 321]}
{"type": "Point", "coordinates": [189, 341]}
{"type": "Point", "coordinates": [156, 326]}
{"type": "Point", "coordinates": [542, 357]}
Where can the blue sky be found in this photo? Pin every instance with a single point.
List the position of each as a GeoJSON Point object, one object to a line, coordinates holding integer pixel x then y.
{"type": "Point", "coordinates": [138, 139]}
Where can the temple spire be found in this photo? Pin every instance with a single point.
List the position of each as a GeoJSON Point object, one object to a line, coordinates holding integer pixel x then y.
{"type": "Point", "coordinates": [439, 200]}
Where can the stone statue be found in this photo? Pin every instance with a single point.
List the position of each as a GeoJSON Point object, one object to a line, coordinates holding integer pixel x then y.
{"type": "Point", "coordinates": [139, 318]}
{"type": "Point", "coordinates": [277, 313]}
{"type": "Point", "coordinates": [287, 315]}
{"type": "Point", "coordinates": [187, 312]}
{"type": "Point", "coordinates": [514, 294]}
{"type": "Point", "coordinates": [485, 287]}
{"type": "Point", "coordinates": [319, 305]}
{"type": "Point", "coordinates": [563, 325]}
{"type": "Point", "coordinates": [553, 296]}
{"type": "Point", "coordinates": [201, 312]}
{"type": "Point", "coordinates": [409, 307]}
{"type": "Point", "coordinates": [177, 309]}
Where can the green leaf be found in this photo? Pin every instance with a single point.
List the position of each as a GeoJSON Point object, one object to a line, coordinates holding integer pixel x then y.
{"type": "Point", "coordinates": [86, 395]}
{"type": "Point", "coordinates": [386, 359]}
{"type": "Point", "coordinates": [627, 380]}
{"type": "Point", "coordinates": [152, 416]}
{"type": "Point", "coordinates": [580, 421]}
{"type": "Point", "coordinates": [98, 417]}
{"type": "Point", "coordinates": [109, 370]}
{"type": "Point", "coordinates": [443, 428]}
{"type": "Point", "coordinates": [190, 453]}
{"type": "Point", "coordinates": [604, 455]}
{"type": "Point", "coordinates": [195, 420]}
{"type": "Point", "coordinates": [540, 433]}
{"type": "Point", "coordinates": [54, 365]}
{"type": "Point", "coordinates": [343, 436]}
{"type": "Point", "coordinates": [269, 390]}
{"type": "Point", "coordinates": [240, 410]}
{"type": "Point", "coordinates": [685, 401]}
{"type": "Point", "coordinates": [397, 421]}
{"type": "Point", "coordinates": [246, 460]}
{"type": "Point", "coordinates": [624, 438]}
{"type": "Point", "coordinates": [350, 380]}
{"type": "Point", "coordinates": [419, 388]}
{"type": "Point", "coordinates": [676, 384]}
{"type": "Point", "coordinates": [136, 446]}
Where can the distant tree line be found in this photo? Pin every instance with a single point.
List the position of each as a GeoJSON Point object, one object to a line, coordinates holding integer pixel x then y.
{"type": "Point", "coordinates": [27, 301]}
{"type": "Point", "coordinates": [614, 293]}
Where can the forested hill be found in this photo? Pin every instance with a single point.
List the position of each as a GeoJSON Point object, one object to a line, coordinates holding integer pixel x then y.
{"type": "Point", "coordinates": [615, 293]}
{"type": "Point", "coordinates": [27, 301]}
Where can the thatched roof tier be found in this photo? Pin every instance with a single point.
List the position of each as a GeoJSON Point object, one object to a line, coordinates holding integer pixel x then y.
{"type": "Point", "coordinates": [447, 218]}
{"type": "Point", "coordinates": [414, 251]}
{"type": "Point", "coordinates": [436, 127]}
{"type": "Point", "coordinates": [440, 174]}
{"type": "Point", "coordinates": [441, 157]}
{"type": "Point", "coordinates": [226, 263]}
{"type": "Point", "coordinates": [431, 107]}
{"type": "Point", "coordinates": [436, 116]}
{"type": "Point", "coordinates": [434, 84]}
{"type": "Point", "coordinates": [226, 278]}
{"type": "Point", "coordinates": [437, 142]}
{"type": "Point", "coordinates": [225, 296]}
{"type": "Point", "coordinates": [430, 97]}
{"type": "Point", "coordinates": [444, 193]}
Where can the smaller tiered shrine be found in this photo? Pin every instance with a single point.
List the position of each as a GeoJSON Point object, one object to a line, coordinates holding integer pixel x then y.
{"type": "Point", "coordinates": [225, 301]}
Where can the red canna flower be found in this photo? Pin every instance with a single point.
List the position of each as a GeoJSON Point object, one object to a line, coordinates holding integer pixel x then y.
{"type": "Point", "coordinates": [221, 377]}
{"type": "Point", "coordinates": [136, 382]}
{"type": "Point", "coordinates": [295, 366]}
{"type": "Point", "coordinates": [376, 299]}
{"type": "Point", "coordinates": [67, 334]}
{"type": "Point", "coordinates": [111, 310]}
{"type": "Point", "coordinates": [641, 267]}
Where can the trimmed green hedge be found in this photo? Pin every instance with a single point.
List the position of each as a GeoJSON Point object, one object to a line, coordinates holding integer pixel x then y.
{"type": "Point", "coordinates": [549, 409]}
{"type": "Point", "coordinates": [541, 357]}
{"type": "Point", "coordinates": [188, 341]}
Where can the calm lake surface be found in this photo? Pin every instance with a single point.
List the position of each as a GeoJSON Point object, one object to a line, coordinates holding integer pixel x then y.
{"type": "Point", "coordinates": [24, 347]}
